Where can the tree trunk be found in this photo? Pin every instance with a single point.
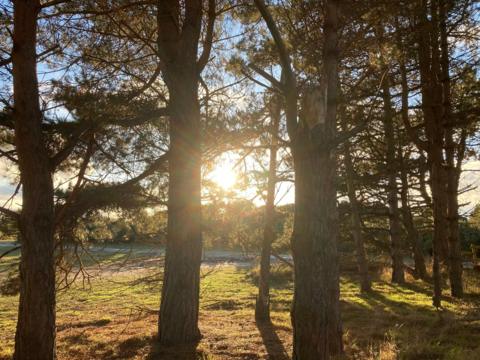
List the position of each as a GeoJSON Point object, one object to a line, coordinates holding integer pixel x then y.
{"type": "Point", "coordinates": [412, 233]}
{"type": "Point", "coordinates": [455, 255]}
{"type": "Point", "coordinates": [262, 306]}
{"type": "Point", "coordinates": [317, 327]}
{"type": "Point", "coordinates": [35, 334]}
{"type": "Point", "coordinates": [398, 274]}
{"type": "Point", "coordinates": [177, 49]}
{"type": "Point", "coordinates": [316, 309]}
{"type": "Point", "coordinates": [453, 171]}
{"type": "Point", "coordinates": [439, 225]}
{"type": "Point", "coordinates": [316, 322]}
{"type": "Point", "coordinates": [429, 61]}
{"type": "Point", "coordinates": [365, 283]}
{"type": "Point", "coordinates": [178, 322]}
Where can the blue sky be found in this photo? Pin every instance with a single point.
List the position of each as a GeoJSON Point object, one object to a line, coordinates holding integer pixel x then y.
{"type": "Point", "coordinates": [46, 74]}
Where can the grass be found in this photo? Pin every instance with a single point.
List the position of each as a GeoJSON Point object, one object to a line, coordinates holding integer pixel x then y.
{"type": "Point", "coordinates": [114, 316]}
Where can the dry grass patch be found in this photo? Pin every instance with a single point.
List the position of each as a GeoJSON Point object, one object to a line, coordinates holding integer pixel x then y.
{"type": "Point", "coordinates": [115, 317]}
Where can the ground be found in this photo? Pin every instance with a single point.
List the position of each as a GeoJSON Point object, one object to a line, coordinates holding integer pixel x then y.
{"type": "Point", "coordinates": [114, 316]}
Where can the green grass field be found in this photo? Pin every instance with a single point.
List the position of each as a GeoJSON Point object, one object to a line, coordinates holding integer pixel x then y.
{"type": "Point", "coordinates": [112, 315]}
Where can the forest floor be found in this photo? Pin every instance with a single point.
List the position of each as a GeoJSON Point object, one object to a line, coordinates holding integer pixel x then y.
{"type": "Point", "coordinates": [110, 312]}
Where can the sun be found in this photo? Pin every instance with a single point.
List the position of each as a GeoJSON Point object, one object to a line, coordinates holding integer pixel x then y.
{"type": "Point", "coordinates": [224, 176]}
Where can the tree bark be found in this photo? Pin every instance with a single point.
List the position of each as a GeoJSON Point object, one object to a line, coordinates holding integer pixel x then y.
{"type": "Point", "coordinates": [398, 273]}
{"type": "Point", "coordinates": [35, 334]}
{"type": "Point", "coordinates": [262, 306]}
{"type": "Point", "coordinates": [178, 321]}
{"type": "Point", "coordinates": [455, 256]}
{"type": "Point", "coordinates": [317, 327]}
{"type": "Point", "coordinates": [429, 61]}
{"type": "Point", "coordinates": [452, 170]}
{"type": "Point", "coordinates": [412, 233]}
{"type": "Point", "coordinates": [178, 318]}
{"type": "Point", "coordinates": [316, 322]}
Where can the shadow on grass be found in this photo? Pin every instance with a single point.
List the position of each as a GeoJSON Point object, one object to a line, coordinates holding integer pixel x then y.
{"type": "Point", "coordinates": [82, 324]}
{"type": "Point", "coordinates": [408, 288]}
{"type": "Point", "coordinates": [133, 346]}
{"type": "Point", "coordinates": [179, 352]}
{"type": "Point", "coordinates": [273, 344]}
{"type": "Point", "coordinates": [406, 327]}
{"type": "Point", "coordinates": [227, 304]}
{"type": "Point", "coordinates": [418, 289]}
{"type": "Point", "coordinates": [472, 297]}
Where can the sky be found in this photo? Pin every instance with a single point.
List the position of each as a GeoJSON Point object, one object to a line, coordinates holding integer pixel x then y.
{"type": "Point", "coordinates": [225, 174]}
{"type": "Point", "coordinates": [470, 178]}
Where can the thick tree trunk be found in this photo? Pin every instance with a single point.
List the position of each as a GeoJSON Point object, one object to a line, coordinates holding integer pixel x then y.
{"type": "Point", "coordinates": [398, 273]}
{"type": "Point", "coordinates": [453, 171]}
{"type": "Point", "coordinates": [316, 322]}
{"type": "Point", "coordinates": [178, 48]}
{"type": "Point", "coordinates": [35, 335]}
{"type": "Point", "coordinates": [317, 326]}
{"type": "Point", "coordinates": [262, 306]}
{"type": "Point", "coordinates": [365, 283]}
{"type": "Point", "coordinates": [178, 322]}
{"type": "Point", "coordinates": [429, 61]}
{"type": "Point", "coordinates": [316, 309]}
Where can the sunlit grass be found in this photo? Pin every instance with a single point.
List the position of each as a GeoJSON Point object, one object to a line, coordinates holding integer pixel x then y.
{"type": "Point", "coordinates": [115, 316]}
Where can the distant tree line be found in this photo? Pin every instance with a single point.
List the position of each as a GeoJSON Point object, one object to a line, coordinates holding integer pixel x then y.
{"type": "Point", "coordinates": [369, 107]}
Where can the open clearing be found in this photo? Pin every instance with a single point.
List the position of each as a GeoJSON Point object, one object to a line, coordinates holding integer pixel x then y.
{"type": "Point", "coordinates": [114, 316]}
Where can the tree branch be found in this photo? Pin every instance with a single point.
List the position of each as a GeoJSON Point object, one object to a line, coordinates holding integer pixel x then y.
{"type": "Point", "coordinates": [10, 251]}
{"type": "Point", "coordinates": [207, 45]}
{"type": "Point", "coordinates": [291, 92]}
{"type": "Point", "coordinates": [10, 213]}
{"type": "Point", "coordinates": [267, 76]}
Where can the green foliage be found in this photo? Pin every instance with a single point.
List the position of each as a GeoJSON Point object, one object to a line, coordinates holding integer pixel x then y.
{"type": "Point", "coordinates": [470, 230]}
{"type": "Point", "coordinates": [8, 228]}
{"type": "Point", "coordinates": [238, 224]}
{"type": "Point", "coordinates": [123, 227]}
{"type": "Point", "coordinates": [469, 235]}
{"type": "Point", "coordinates": [233, 224]}
{"type": "Point", "coordinates": [474, 218]}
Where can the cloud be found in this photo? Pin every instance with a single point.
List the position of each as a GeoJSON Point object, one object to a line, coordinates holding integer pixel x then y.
{"type": "Point", "coordinates": [6, 192]}
{"type": "Point", "coordinates": [470, 179]}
